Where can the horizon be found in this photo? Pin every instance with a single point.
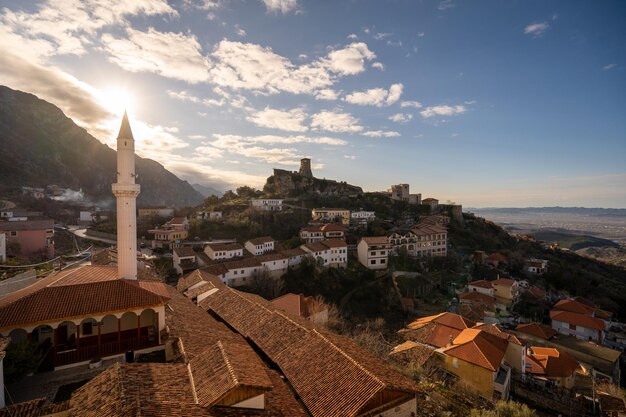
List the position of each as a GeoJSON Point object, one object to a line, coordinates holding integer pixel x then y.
{"type": "Point", "coordinates": [418, 93]}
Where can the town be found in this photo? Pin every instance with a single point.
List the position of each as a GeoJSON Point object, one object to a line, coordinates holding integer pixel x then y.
{"type": "Point", "coordinates": [309, 297]}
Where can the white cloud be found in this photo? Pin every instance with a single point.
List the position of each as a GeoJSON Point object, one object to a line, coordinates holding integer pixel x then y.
{"type": "Point", "coordinates": [172, 55]}
{"type": "Point", "coordinates": [445, 5]}
{"type": "Point", "coordinates": [352, 157]}
{"type": "Point", "coordinates": [253, 67]}
{"type": "Point", "coordinates": [415, 104]}
{"type": "Point", "coordinates": [376, 96]}
{"type": "Point", "coordinates": [401, 117]}
{"type": "Point", "coordinates": [349, 60]}
{"type": "Point", "coordinates": [378, 65]}
{"type": "Point", "coordinates": [609, 66]}
{"type": "Point", "coordinates": [239, 31]}
{"type": "Point", "coordinates": [69, 24]}
{"type": "Point", "coordinates": [392, 43]}
{"type": "Point", "coordinates": [381, 134]}
{"type": "Point", "coordinates": [205, 4]}
{"type": "Point", "coordinates": [335, 121]}
{"type": "Point", "coordinates": [288, 120]}
{"type": "Point", "coordinates": [536, 29]}
{"type": "Point", "coordinates": [185, 96]}
{"type": "Point", "coordinates": [380, 36]}
{"type": "Point", "coordinates": [442, 110]}
{"type": "Point", "coordinates": [282, 6]}
{"type": "Point", "coordinates": [352, 36]}
{"type": "Point", "coordinates": [196, 137]}
{"type": "Point", "coordinates": [327, 94]}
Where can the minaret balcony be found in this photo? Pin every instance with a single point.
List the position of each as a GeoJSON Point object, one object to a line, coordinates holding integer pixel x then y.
{"type": "Point", "coordinates": [126, 190]}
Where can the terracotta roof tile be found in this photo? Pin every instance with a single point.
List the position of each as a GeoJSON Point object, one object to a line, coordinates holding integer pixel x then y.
{"type": "Point", "coordinates": [334, 243]}
{"type": "Point", "coordinates": [376, 240]}
{"type": "Point", "coordinates": [578, 319]}
{"type": "Point", "coordinates": [574, 307]}
{"type": "Point", "coordinates": [75, 293]}
{"type": "Point", "coordinates": [184, 251]}
{"type": "Point", "coordinates": [479, 348]}
{"type": "Point", "coordinates": [225, 246]}
{"type": "Point", "coordinates": [536, 329]}
{"type": "Point", "coordinates": [551, 362]}
{"type": "Point", "coordinates": [475, 296]}
{"type": "Point", "coordinates": [261, 240]}
{"type": "Point", "coordinates": [447, 319]}
{"type": "Point", "coordinates": [497, 331]}
{"type": "Point", "coordinates": [481, 283]}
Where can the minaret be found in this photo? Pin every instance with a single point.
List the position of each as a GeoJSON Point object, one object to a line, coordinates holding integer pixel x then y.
{"type": "Point", "coordinates": [126, 192]}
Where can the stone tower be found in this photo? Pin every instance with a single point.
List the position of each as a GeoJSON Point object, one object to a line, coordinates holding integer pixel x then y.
{"type": "Point", "coordinates": [126, 192]}
{"type": "Point", "coordinates": [305, 168]}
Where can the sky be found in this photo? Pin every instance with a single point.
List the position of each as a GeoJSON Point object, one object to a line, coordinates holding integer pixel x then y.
{"type": "Point", "coordinates": [484, 103]}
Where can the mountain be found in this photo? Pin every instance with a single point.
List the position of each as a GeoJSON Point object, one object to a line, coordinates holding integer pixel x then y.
{"type": "Point", "coordinates": [206, 190]}
{"type": "Point", "coordinates": [41, 146]}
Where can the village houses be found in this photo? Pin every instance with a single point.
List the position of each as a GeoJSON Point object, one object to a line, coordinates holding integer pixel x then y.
{"type": "Point", "coordinates": [29, 238]}
{"type": "Point", "coordinates": [267, 204]}
{"type": "Point", "coordinates": [373, 252]}
{"type": "Point", "coordinates": [171, 233]}
{"type": "Point", "coordinates": [331, 215]}
{"type": "Point", "coordinates": [315, 233]}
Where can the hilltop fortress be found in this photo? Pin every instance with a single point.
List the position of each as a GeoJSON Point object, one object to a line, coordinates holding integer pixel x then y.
{"type": "Point", "coordinates": [288, 183]}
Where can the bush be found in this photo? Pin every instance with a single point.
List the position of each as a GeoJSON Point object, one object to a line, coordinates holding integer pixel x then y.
{"type": "Point", "coordinates": [21, 359]}
{"type": "Point", "coordinates": [506, 409]}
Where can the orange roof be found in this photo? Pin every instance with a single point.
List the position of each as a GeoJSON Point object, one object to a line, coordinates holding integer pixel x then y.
{"type": "Point", "coordinates": [574, 307]}
{"type": "Point", "coordinates": [261, 240]}
{"type": "Point", "coordinates": [497, 331]}
{"type": "Point", "coordinates": [225, 246]}
{"type": "Point", "coordinates": [476, 296]}
{"type": "Point", "coordinates": [375, 240]}
{"type": "Point", "coordinates": [76, 292]}
{"type": "Point", "coordinates": [482, 283]}
{"type": "Point", "coordinates": [447, 319]}
{"type": "Point", "coordinates": [538, 330]}
{"type": "Point", "coordinates": [577, 319]}
{"type": "Point", "coordinates": [332, 227]}
{"type": "Point", "coordinates": [298, 304]}
{"type": "Point", "coordinates": [479, 348]}
{"type": "Point", "coordinates": [505, 282]}
{"type": "Point", "coordinates": [334, 243]}
{"type": "Point", "coordinates": [551, 362]}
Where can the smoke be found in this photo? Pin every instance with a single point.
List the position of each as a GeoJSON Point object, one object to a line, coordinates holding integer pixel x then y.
{"type": "Point", "coordinates": [71, 196]}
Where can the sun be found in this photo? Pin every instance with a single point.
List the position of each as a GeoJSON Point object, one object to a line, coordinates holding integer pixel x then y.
{"type": "Point", "coordinates": [117, 100]}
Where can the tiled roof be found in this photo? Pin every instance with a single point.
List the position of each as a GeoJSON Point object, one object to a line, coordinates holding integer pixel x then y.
{"type": "Point", "coordinates": [551, 362]}
{"type": "Point", "coordinates": [334, 243]}
{"type": "Point", "coordinates": [268, 257]}
{"type": "Point", "coordinates": [412, 353]}
{"type": "Point", "coordinates": [177, 220]}
{"type": "Point", "coordinates": [574, 307]}
{"type": "Point", "coordinates": [218, 247]}
{"type": "Point", "coordinates": [315, 247]}
{"type": "Point", "coordinates": [497, 331]}
{"type": "Point", "coordinates": [30, 408]}
{"type": "Point", "coordinates": [376, 240]}
{"type": "Point", "coordinates": [498, 257]}
{"type": "Point", "coordinates": [447, 319]}
{"type": "Point", "coordinates": [537, 329]}
{"type": "Point", "coordinates": [426, 229]}
{"type": "Point", "coordinates": [333, 227]}
{"type": "Point", "coordinates": [261, 240]}
{"type": "Point", "coordinates": [479, 348]}
{"type": "Point", "coordinates": [298, 304]}
{"type": "Point", "coordinates": [311, 229]}
{"type": "Point", "coordinates": [429, 199]}
{"type": "Point", "coordinates": [293, 252]}
{"type": "Point", "coordinates": [476, 296]}
{"type": "Point", "coordinates": [6, 226]}
{"type": "Point", "coordinates": [577, 319]}
{"type": "Point", "coordinates": [241, 263]}
{"type": "Point", "coordinates": [76, 292]}
{"type": "Point", "coordinates": [215, 269]}
{"type": "Point", "coordinates": [184, 251]}
{"type": "Point", "coordinates": [433, 334]}
{"type": "Point", "coordinates": [482, 283]}
{"type": "Point", "coordinates": [129, 385]}
{"type": "Point", "coordinates": [331, 375]}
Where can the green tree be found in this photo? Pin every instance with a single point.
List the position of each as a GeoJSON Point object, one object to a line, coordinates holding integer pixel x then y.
{"type": "Point", "coordinates": [211, 200]}
{"type": "Point", "coordinates": [21, 359]}
{"type": "Point", "coordinates": [505, 409]}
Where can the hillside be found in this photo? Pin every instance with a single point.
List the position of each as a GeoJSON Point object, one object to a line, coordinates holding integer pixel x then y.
{"type": "Point", "coordinates": [41, 146]}
{"type": "Point", "coordinates": [571, 241]}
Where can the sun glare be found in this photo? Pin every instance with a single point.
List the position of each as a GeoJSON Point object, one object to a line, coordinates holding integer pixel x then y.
{"type": "Point", "coordinates": [117, 100]}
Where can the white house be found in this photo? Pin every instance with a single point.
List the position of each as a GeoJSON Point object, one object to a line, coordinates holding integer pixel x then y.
{"type": "Point", "coordinates": [221, 251]}
{"type": "Point", "coordinates": [260, 245]}
{"type": "Point", "coordinates": [362, 217]}
{"type": "Point", "coordinates": [482, 286]}
{"type": "Point", "coordinates": [338, 256]}
{"type": "Point", "coordinates": [184, 259]}
{"type": "Point", "coordinates": [331, 215]}
{"type": "Point", "coordinates": [275, 263]}
{"type": "Point", "coordinates": [430, 240]}
{"type": "Point", "coordinates": [536, 266]}
{"type": "Point", "coordinates": [579, 320]}
{"type": "Point", "coordinates": [209, 215]}
{"type": "Point", "coordinates": [155, 211]}
{"type": "Point", "coordinates": [310, 234]}
{"type": "Point", "coordinates": [240, 272]}
{"type": "Point", "coordinates": [267, 204]}
{"type": "Point", "coordinates": [317, 250]}
{"type": "Point", "coordinates": [294, 256]}
{"type": "Point", "coordinates": [373, 252]}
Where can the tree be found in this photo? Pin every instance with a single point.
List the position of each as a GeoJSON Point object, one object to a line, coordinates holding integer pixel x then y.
{"type": "Point", "coordinates": [21, 359]}
{"type": "Point", "coordinates": [266, 285]}
{"type": "Point", "coordinates": [211, 200]}
{"type": "Point", "coordinates": [247, 192]}
{"type": "Point", "coordinates": [505, 409]}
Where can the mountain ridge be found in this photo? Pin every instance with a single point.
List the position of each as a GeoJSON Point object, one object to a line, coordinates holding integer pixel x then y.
{"type": "Point", "coordinates": [42, 146]}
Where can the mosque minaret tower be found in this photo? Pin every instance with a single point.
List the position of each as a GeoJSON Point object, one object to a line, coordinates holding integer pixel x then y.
{"type": "Point", "coordinates": [126, 192]}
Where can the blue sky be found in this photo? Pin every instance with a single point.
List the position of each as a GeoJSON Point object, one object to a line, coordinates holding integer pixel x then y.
{"type": "Point", "coordinates": [485, 103]}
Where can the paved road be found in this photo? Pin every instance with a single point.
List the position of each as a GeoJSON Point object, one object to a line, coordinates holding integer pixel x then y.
{"type": "Point", "coordinates": [82, 233]}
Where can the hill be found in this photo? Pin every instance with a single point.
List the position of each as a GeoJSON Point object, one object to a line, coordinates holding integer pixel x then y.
{"type": "Point", "coordinates": [41, 146]}
{"type": "Point", "coordinates": [572, 241]}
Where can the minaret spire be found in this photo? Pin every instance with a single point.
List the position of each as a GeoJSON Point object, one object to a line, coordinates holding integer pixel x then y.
{"type": "Point", "coordinates": [126, 192]}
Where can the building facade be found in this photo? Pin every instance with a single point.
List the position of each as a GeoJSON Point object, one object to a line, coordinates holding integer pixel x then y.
{"type": "Point", "coordinates": [29, 238]}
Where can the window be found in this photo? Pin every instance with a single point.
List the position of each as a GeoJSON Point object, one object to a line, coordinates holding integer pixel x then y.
{"type": "Point", "coordinates": [87, 328]}
{"type": "Point", "coordinates": [572, 326]}
{"type": "Point", "coordinates": [373, 253]}
{"type": "Point", "coordinates": [13, 233]}
{"type": "Point", "coordinates": [373, 262]}
{"type": "Point", "coordinates": [382, 261]}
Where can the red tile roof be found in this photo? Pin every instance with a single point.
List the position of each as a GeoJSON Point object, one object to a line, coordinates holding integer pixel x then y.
{"type": "Point", "coordinates": [376, 240]}
{"type": "Point", "coordinates": [577, 319]}
{"type": "Point", "coordinates": [447, 319]}
{"type": "Point", "coordinates": [574, 307]}
{"type": "Point", "coordinates": [497, 331]}
{"type": "Point", "coordinates": [536, 329]}
{"type": "Point", "coordinates": [479, 348]}
{"type": "Point", "coordinates": [331, 375]}
{"type": "Point", "coordinates": [475, 296]}
{"type": "Point", "coordinates": [333, 227]}
{"type": "Point", "coordinates": [551, 362]}
{"type": "Point", "coordinates": [482, 283]}
{"type": "Point", "coordinates": [184, 251]}
{"type": "Point", "coordinates": [218, 247]}
{"type": "Point", "coordinates": [76, 292]}
{"type": "Point", "coordinates": [334, 243]}
{"type": "Point", "coordinates": [6, 226]}
{"type": "Point", "coordinates": [261, 240]}
{"type": "Point", "coordinates": [505, 282]}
